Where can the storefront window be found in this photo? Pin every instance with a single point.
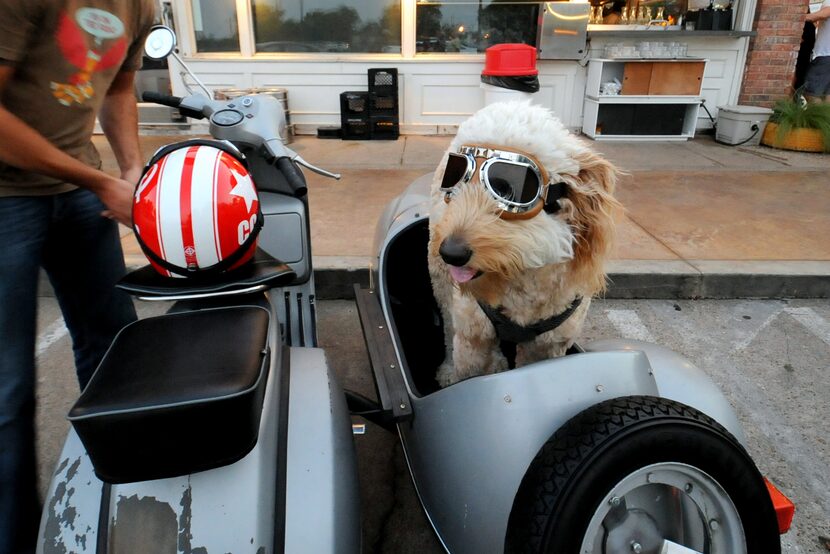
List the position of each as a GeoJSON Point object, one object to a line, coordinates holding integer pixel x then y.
{"type": "Point", "coordinates": [356, 26]}
{"type": "Point", "coordinates": [215, 24]}
{"type": "Point", "coordinates": [473, 26]}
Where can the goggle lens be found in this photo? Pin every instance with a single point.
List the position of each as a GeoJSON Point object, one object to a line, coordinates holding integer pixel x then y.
{"type": "Point", "coordinates": [517, 184]}
{"type": "Point", "coordinates": [457, 168]}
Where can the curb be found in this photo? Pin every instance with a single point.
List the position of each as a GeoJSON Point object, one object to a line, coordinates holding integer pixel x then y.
{"type": "Point", "coordinates": [338, 283]}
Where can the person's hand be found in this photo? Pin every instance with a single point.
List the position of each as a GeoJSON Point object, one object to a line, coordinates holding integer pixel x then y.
{"type": "Point", "coordinates": [117, 196]}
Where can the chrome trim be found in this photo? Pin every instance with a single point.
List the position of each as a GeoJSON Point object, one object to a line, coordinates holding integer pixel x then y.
{"type": "Point", "coordinates": [249, 290]}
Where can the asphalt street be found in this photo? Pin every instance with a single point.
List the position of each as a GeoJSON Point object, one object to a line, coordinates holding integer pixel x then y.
{"type": "Point", "coordinates": [771, 357]}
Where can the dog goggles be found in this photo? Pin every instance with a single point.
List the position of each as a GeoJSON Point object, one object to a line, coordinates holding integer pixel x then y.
{"type": "Point", "coordinates": [514, 180]}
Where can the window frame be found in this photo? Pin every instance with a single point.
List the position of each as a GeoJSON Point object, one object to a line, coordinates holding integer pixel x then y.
{"type": "Point", "coordinates": [183, 12]}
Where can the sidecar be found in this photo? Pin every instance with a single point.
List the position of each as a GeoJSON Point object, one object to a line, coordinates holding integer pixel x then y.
{"type": "Point", "coordinates": [619, 446]}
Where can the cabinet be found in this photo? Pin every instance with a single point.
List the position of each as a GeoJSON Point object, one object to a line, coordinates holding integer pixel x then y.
{"type": "Point", "coordinates": [659, 100]}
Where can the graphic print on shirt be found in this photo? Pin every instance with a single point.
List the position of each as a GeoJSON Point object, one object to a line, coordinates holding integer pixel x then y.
{"type": "Point", "coordinates": [91, 41]}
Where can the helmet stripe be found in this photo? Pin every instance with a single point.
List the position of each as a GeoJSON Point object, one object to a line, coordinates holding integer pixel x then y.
{"type": "Point", "coordinates": [157, 244]}
{"type": "Point", "coordinates": [202, 206]}
{"type": "Point", "coordinates": [169, 213]}
{"type": "Point", "coordinates": [186, 209]}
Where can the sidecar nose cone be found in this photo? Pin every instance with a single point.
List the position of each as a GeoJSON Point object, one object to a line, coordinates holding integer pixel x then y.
{"type": "Point", "coordinates": [455, 251]}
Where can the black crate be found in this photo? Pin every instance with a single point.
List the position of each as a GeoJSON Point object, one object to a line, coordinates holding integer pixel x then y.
{"type": "Point", "coordinates": [355, 128]}
{"type": "Point", "coordinates": [383, 104]}
{"type": "Point", "coordinates": [384, 127]}
{"type": "Point", "coordinates": [383, 81]}
{"type": "Point", "coordinates": [354, 103]}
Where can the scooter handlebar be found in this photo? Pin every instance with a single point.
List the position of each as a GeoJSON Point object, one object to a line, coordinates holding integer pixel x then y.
{"type": "Point", "coordinates": [172, 101]}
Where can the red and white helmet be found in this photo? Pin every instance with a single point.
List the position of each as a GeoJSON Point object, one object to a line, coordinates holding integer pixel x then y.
{"type": "Point", "coordinates": [196, 210]}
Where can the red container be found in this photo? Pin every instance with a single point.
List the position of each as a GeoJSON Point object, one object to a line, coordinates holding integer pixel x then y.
{"type": "Point", "coordinates": [510, 60]}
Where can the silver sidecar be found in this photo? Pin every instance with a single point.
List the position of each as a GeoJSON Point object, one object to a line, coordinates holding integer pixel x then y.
{"type": "Point", "coordinates": [619, 446]}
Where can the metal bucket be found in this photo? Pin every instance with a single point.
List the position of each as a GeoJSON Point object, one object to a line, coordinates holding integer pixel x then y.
{"type": "Point", "coordinates": [279, 93]}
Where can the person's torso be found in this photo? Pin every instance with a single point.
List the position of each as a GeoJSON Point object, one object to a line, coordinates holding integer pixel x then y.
{"type": "Point", "coordinates": [59, 84]}
{"type": "Point", "coordinates": [822, 46]}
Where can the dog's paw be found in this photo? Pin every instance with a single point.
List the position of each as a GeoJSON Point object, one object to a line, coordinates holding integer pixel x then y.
{"type": "Point", "coordinates": [446, 375]}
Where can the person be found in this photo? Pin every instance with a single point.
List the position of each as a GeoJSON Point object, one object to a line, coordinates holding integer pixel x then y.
{"type": "Point", "coordinates": [614, 17]}
{"type": "Point", "coordinates": [62, 63]}
{"type": "Point", "coordinates": [817, 81]}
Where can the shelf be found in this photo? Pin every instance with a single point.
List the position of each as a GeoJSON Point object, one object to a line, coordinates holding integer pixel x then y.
{"type": "Point", "coordinates": [642, 138]}
{"type": "Point", "coordinates": [650, 60]}
{"type": "Point", "coordinates": [663, 34]}
{"type": "Point", "coordinates": [638, 99]}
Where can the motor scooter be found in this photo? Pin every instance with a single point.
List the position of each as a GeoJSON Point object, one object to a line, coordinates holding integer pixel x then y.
{"type": "Point", "coordinates": [617, 447]}
{"type": "Point", "coordinates": [217, 427]}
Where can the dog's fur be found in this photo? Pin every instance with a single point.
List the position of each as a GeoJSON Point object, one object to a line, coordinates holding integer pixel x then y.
{"type": "Point", "coordinates": [531, 268]}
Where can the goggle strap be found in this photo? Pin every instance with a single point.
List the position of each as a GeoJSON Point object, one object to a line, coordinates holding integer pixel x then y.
{"type": "Point", "coordinates": [555, 192]}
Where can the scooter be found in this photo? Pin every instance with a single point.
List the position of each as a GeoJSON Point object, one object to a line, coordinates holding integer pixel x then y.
{"type": "Point", "coordinates": [217, 427]}
{"type": "Point", "coordinates": [617, 447]}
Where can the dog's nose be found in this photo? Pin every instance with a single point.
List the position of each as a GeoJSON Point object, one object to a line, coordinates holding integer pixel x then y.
{"type": "Point", "coordinates": [455, 251]}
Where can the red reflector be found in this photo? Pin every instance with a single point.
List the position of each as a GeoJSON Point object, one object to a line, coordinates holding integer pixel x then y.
{"type": "Point", "coordinates": [784, 508]}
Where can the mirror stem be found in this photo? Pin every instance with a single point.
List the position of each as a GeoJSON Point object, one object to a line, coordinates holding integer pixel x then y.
{"type": "Point", "coordinates": [192, 75]}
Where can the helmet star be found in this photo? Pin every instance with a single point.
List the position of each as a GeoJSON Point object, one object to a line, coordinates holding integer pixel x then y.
{"type": "Point", "coordinates": [244, 188]}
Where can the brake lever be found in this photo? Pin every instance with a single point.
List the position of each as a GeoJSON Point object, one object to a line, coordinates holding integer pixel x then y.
{"type": "Point", "coordinates": [297, 158]}
{"type": "Point", "coordinates": [276, 149]}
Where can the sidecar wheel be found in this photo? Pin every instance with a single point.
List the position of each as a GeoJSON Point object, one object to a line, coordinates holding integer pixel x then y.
{"type": "Point", "coordinates": [639, 474]}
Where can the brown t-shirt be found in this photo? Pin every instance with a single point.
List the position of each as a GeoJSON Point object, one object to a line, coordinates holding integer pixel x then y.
{"type": "Point", "coordinates": [66, 54]}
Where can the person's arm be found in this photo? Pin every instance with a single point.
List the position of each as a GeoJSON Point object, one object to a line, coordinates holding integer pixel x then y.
{"type": "Point", "coordinates": [820, 15]}
{"type": "Point", "coordinates": [119, 120]}
{"type": "Point", "coordinates": [23, 147]}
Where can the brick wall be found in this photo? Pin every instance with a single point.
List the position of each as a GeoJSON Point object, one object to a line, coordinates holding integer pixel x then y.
{"type": "Point", "coordinates": [770, 63]}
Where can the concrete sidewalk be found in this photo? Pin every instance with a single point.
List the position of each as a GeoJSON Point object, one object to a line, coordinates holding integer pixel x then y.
{"type": "Point", "coordinates": [703, 220]}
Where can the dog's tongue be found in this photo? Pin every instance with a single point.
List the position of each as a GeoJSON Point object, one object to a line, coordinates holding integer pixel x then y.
{"type": "Point", "coordinates": [462, 274]}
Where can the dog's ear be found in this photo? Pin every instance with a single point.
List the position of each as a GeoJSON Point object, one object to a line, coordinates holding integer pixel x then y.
{"type": "Point", "coordinates": [591, 214]}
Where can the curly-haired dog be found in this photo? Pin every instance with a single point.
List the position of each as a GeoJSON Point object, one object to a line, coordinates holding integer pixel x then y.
{"type": "Point", "coordinates": [521, 223]}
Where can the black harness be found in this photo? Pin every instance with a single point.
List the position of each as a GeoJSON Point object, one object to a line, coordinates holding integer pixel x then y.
{"type": "Point", "coordinates": [510, 334]}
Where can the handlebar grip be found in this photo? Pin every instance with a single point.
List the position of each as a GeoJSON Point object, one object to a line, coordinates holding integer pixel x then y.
{"type": "Point", "coordinates": [163, 99]}
{"type": "Point", "coordinates": [172, 101]}
{"type": "Point", "coordinates": [293, 176]}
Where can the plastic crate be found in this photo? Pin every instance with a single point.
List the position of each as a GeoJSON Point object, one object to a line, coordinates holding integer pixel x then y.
{"type": "Point", "coordinates": [354, 103]}
{"type": "Point", "coordinates": [383, 81]}
{"type": "Point", "coordinates": [384, 127]}
{"type": "Point", "coordinates": [383, 104]}
{"type": "Point", "coordinates": [355, 128]}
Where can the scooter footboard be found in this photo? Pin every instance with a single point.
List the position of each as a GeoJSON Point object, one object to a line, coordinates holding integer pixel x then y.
{"type": "Point", "coordinates": [322, 494]}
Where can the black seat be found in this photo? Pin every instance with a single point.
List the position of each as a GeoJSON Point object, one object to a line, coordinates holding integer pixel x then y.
{"type": "Point", "coordinates": [263, 271]}
{"type": "Point", "coordinates": [176, 394]}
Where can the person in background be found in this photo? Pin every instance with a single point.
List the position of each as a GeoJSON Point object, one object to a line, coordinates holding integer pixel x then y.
{"type": "Point", "coordinates": [614, 17]}
{"type": "Point", "coordinates": [817, 81]}
{"type": "Point", "coordinates": [62, 63]}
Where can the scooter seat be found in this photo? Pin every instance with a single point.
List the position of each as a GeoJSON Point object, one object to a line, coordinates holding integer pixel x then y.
{"type": "Point", "coordinates": [176, 394]}
{"type": "Point", "coordinates": [264, 271]}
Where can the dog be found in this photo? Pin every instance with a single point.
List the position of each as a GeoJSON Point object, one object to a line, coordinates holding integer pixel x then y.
{"type": "Point", "coordinates": [521, 224]}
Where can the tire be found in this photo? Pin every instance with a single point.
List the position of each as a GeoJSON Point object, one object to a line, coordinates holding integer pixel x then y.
{"type": "Point", "coordinates": [596, 486]}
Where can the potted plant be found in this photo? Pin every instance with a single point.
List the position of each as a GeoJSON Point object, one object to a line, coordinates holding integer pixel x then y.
{"type": "Point", "coordinates": [799, 125]}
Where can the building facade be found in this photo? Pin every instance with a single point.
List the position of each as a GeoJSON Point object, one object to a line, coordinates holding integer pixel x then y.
{"type": "Point", "coordinates": [316, 49]}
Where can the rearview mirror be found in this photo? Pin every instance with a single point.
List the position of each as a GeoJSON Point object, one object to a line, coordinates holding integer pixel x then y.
{"type": "Point", "coordinates": [160, 42]}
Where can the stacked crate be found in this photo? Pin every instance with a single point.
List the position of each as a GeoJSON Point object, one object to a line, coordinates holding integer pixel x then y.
{"type": "Point", "coordinates": [354, 115]}
{"type": "Point", "coordinates": [383, 98]}
{"type": "Point", "coordinates": [373, 114]}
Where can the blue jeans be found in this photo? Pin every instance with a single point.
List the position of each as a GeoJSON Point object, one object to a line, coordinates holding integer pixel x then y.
{"type": "Point", "coordinates": [81, 253]}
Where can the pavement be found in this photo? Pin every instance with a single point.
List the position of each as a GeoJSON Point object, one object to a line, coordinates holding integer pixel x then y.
{"type": "Point", "coordinates": [702, 220]}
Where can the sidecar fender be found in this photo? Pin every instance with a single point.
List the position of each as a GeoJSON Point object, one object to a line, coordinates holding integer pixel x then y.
{"type": "Point", "coordinates": [470, 444]}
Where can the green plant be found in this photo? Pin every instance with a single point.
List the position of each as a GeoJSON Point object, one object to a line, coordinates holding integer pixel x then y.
{"type": "Point", "coordinates": [794, 113]}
